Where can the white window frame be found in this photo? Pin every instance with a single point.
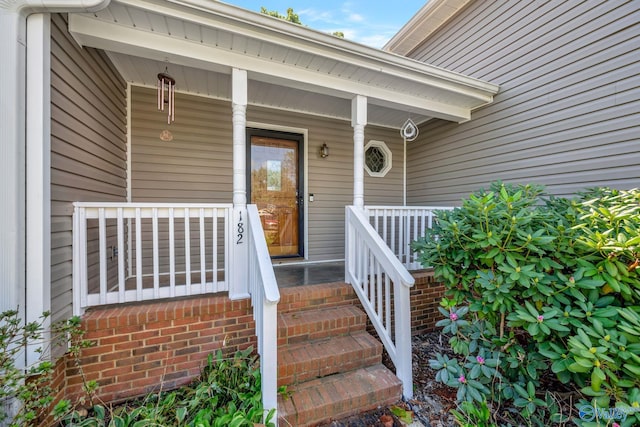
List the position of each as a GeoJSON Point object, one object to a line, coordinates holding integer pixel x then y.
{"type": "Point", "coordinates": [388, 160]}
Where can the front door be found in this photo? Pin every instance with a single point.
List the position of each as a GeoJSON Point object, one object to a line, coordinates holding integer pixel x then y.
{"type": "Point", "coordinates": [276, 188]}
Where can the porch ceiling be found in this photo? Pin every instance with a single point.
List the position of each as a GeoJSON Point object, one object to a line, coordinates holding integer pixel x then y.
{"type": "Point", "coordinates": [289, 66]}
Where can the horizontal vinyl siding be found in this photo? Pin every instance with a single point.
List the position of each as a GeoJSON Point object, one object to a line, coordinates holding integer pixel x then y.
{"type": "Point", "coordinates": [88, 146]}
{"type": "Point", "coordinates": [196, 166]}
{"type": "Point", "coordinates": [567, 115]}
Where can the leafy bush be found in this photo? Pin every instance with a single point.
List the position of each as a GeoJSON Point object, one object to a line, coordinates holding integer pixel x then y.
{"type": "Point", "coordinates": [31, 385]}
{"type": "Point", "coordinates": [227, 393]}
{"type": "Point", "coordinates": [538, 284]}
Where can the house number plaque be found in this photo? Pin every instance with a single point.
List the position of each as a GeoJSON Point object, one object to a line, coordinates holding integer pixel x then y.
{"type": "Point", "coordinates": [240, 230]}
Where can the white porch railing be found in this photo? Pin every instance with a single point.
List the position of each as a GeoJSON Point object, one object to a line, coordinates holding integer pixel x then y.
{"type": "Point", "coordinates": [399, 226]}
{"type": "Point", "coordinates": [125, 252]}
{"type": "Point", "coordinates": [265, 296]}
{"type": "Point", "coordinates": [382, 285]}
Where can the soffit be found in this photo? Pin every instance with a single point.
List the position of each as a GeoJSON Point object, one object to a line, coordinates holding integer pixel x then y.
{"type": "Point", "coordinates": [203, 40]}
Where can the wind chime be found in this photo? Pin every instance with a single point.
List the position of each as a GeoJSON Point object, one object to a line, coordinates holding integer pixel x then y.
{"type": "Point", "coordinates": [167, 84]}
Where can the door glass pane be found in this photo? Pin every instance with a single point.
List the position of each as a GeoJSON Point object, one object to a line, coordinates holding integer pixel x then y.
{"type": "Point", "coordinates": [274, 189]}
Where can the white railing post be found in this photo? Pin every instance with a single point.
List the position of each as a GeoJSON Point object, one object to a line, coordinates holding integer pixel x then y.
{"type": "Point", "coordinates": [239, 279]}
{"type": "Point", "coordinates": [402, 306]}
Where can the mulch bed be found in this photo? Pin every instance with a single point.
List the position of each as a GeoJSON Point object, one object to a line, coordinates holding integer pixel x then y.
{"type": "Point", "coordinates": [432, 400]}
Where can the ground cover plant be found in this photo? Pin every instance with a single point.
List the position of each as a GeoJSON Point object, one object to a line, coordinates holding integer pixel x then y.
{"type": "Point", "coordinates": [227, 393]}
{"type": "Point", "coordinates": [540, 288]}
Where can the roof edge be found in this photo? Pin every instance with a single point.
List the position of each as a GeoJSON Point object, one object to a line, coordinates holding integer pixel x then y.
{"type": "Point", "coordinates": [361, 55]}
{"type": "Point", "coordinates": [433, 15]}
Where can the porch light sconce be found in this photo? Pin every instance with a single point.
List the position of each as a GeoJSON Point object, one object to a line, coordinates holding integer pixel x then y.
{"type": "Point", "coordinates": [324, 151]}
{"type": "Point", "coordinates": [167, 94]}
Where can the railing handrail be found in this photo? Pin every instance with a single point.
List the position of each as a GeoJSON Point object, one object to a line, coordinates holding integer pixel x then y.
{"type": "Point", "coordinates": [149, 205]}
{"type": "Point", "coordinates": [263, 289]}
{"type": "Point", "coordinates": [372, 271]}
{"type": "Point", "coordinates": [369, 208]}
{"type": "Point", "coordinates": [271, 292]}
{"type": "Point", "coordinates": [380, 249]}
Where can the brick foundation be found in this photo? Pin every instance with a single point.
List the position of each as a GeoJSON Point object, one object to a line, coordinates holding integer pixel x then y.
{"type": "Point", "coordinates": [141, 348]}
{"type": "Point", "coordinates": [426, 295]}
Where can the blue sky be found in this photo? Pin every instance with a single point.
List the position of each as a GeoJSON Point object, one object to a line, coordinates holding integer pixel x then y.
{"type": "Point", "coordinates": [370, 22]}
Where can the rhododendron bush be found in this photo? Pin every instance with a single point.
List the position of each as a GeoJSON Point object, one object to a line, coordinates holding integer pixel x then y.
{"type": "Point", "coordinates": [541, 288]}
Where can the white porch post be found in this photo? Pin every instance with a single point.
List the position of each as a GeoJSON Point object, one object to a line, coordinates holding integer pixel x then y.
{"type": "Point", "coordinates": [38, 154]}
{"type": "Point", "coordinates": [239, 280]}
{"type": "Point", "coordinates": [358, 122]}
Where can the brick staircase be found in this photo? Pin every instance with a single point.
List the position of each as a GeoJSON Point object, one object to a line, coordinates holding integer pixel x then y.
{"type": "Point", "coordinates": [329, 363]}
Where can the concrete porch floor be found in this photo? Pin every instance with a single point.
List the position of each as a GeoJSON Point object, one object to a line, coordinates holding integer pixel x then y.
{"type": "Point", "coordinates": [289, 275]}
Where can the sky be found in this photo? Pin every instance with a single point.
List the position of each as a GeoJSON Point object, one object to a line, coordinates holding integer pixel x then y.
{"type": "Point", "coordinates": [369, 22]}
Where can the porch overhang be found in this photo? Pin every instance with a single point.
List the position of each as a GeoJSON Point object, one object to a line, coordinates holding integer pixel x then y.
{"type": "Point", "coordinates": [204, 40]}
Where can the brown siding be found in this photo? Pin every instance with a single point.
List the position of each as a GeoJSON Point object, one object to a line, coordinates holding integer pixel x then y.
{"type": "Point", "coordinates": [567, 113]}
{"type": "Point", "coordinates": [88, 145]}
{"type": "Point", "coordinates": [197, 165]}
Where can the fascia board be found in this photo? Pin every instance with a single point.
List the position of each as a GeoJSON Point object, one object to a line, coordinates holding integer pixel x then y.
{"type": "Point", "coordinates": [113, 37]}
{"type": "Point", "coordinates": [279, 32]}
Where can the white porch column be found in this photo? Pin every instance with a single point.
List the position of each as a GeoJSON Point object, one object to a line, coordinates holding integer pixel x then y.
{"type": "Point", "coordinates": [238, 280]}
{"type": "Point", "coordinates": [38, 154]}
{"type": "Point", "coordinates": [358, 122]}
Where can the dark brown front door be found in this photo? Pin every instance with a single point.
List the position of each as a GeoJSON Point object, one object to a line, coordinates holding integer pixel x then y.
{"type": "Point", "coordinates": [276, 189]}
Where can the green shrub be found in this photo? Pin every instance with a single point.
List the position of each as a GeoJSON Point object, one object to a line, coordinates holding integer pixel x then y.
{"type": "Point", "coordinates": [538, 284]}
{"type": "Point", "coordinates": [32, 385]}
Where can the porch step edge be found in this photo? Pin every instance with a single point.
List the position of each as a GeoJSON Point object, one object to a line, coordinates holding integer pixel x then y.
{"type": "Point", "coordinates": [338, 396]}
{"type": "Point", "coordinates": [307, 325]}
{"type": "Point", "coordinates": [313, 297]}
{"type": "Point", "coordinates": [309, 360]}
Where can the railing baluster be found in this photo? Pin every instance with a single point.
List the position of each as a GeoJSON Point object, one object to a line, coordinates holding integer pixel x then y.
{"type": "Point", "coordinates": [121, 276]}
{"type": "Point", "coordinates": [129, 248]}
{"type": "Point", "coordinates": [227, 245]}
{"type": "Point", "coordinates": [214, 249]}
{"type": "Point", "coordinates": [156, 261]}
{"type": "Point", "coordinates": [102, 242]}
{"type": "Point", "coordinates": [139, 271]}
{"type": "Point", "coordinates": [392, 219]}
{"type": "Point", "coordinates": [172, 253]}
{"type": "Point", "coordinates": [203, 257]}
{"type": "Point", "coordinates": [187, 251]}
{"type": "Point", "coordinates": [387, 296]}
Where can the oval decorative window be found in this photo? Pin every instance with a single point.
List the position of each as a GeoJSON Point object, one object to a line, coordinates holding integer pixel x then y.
{"type": "Point", "coordinates": [377, 158]}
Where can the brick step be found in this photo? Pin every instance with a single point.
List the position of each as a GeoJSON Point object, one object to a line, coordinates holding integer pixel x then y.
{"type": "Point", "coordinates": [307, 325]}
{"type": "Point", "coordinates": [314, 297]}
{"type": "Point", "coordinates": [338, 396]}
{"type": "Point", "coordinates": [309, 360]}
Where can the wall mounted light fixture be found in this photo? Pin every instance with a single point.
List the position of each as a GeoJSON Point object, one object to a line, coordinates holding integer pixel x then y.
{"type": "Point", "coordinates": [324, 151]}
